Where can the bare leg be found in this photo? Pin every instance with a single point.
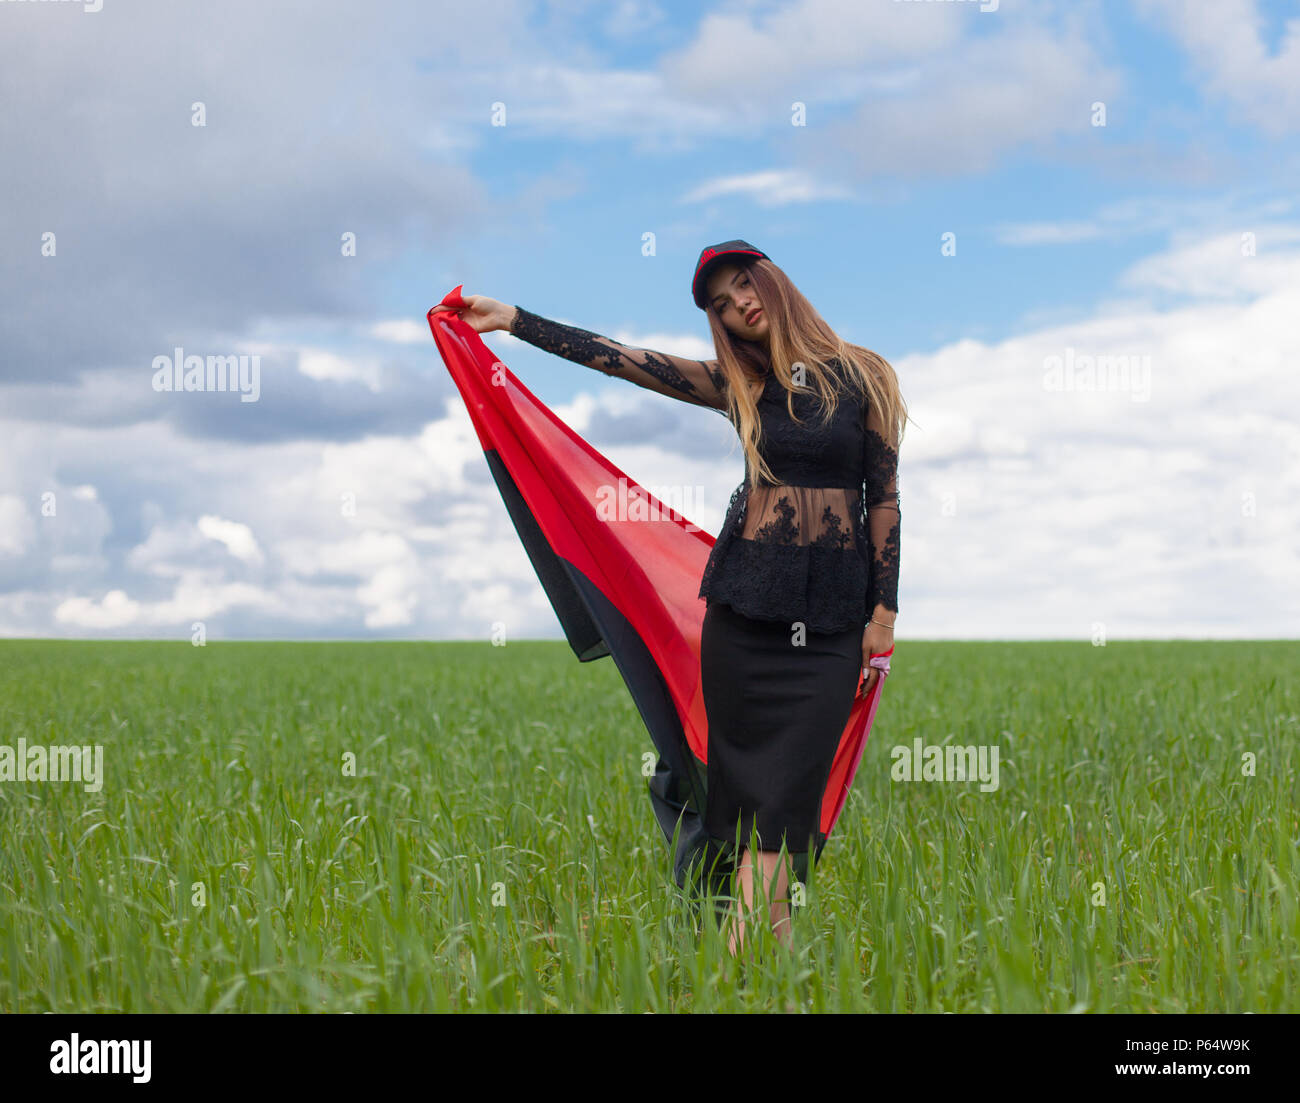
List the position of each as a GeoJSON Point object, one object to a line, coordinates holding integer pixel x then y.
{"type": "Point", "coordinates": [778, 871]}
{"type": "Point", "coordinates": [773, 886]}
{"type": "Point", "coordinates": [744, 893]}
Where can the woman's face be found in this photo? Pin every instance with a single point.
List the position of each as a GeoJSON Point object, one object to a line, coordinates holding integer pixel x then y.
{"type": "Point", "coordinates": [735, 298]}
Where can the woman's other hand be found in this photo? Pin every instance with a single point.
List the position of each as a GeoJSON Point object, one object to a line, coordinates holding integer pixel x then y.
{"type": "Point", "coordinates": [482, 314]}
{"type": "Point", "coordinates": [876, 640]}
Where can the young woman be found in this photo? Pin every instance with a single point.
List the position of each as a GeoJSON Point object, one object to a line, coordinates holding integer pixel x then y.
{"type": "Point", "coordinates": [801, 585]}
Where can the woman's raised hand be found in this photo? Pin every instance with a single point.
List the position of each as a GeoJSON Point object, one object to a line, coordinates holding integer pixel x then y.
{"type": "Point", "coordinates": [482, 314]}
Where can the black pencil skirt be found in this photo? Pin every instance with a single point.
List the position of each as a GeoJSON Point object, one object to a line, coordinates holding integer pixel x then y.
{"type": "Point", "coordinates": [776, 711]}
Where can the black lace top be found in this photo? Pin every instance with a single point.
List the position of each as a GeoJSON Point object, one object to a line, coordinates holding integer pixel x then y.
{"type": "Point", "coordinates": [821, 545]}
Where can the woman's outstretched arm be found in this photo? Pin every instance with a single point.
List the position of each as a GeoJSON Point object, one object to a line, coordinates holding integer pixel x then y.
{"type": "Point", "coordinates": [696, 381]}
{"type": "Point", "coordinates": [699, 382]}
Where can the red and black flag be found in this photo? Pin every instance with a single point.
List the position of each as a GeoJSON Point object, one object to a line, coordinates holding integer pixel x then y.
{"type": "Point", "coordinates": [624, 585]}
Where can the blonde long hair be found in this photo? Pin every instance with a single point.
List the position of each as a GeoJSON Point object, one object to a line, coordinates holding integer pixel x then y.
{"type": "Point", "coordinates": [798, 335]}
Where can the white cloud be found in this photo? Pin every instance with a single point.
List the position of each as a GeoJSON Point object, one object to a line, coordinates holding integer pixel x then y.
{"type": "Point", "coordinates": [774, 188]}
{"type": "Point", "coordinates": [115, 611]}
{"type": "Point", "coordinates": [321, 364]}
{"type": "Point", "coordinates": [1181, 218]}
{"type": "Point", "coordinates": [784, 47]}
{"type": "Point", "coordinates": [1018, 82]}
{"type": "Point", "coordinates": [183, 548]}
{"type": "Point", "coordinates": [385, 476]}
{"type": "Point", "coordinates": [237, 538]}
{"type": "Point", "coordinates": [17, 529]}
{"type": "Point", "coordinates": [357, 555]}
{"type": "Point", "coordinates": [401, 331]}
{"type": "Point", "coordinates": [584, 105]}
{"type": "Point", "coordinates": [891, 65]}
{"type": "Point", "coordinates": [632, 17]}
{"type": "Point", "coordinates": [1047, 233]}
{"type": "Point", "coordinates": [1216, 267]}
{"type": "Point", "coordinates": [194, 599]}
{"type": "Point", "coordinates": [1020, 86]}
{"type": "Point", "coordinates": [73, 534]}
{"type": "Point", "coordinates": [166, 550]}
{"type": "Point", "coordinates": [1101, 508]}
{"type": "Point", "coordinates": [391, 594]}
{"type": "Point", "coordinates": [1224, 41]}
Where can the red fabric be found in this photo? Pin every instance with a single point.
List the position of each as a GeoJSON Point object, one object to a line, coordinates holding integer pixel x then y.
{"type": "Point", "coordinates": [649, 570]}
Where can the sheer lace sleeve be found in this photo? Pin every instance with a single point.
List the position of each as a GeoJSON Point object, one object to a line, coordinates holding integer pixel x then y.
{"type": "Point", "coordinates": [696, 381]}
{"type": "Point", "coordinates": [882, 514]}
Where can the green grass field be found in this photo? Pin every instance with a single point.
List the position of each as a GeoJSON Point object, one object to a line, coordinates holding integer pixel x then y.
{"type": "Point", "coordinates": [496, 848]}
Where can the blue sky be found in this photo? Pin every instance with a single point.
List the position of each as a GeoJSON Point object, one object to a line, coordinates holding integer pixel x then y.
{"type": "Point", "coordinates": [1169, 235]}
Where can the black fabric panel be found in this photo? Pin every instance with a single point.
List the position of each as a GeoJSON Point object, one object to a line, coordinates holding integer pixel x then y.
{"type": "Point", "coordinates": [583, 635]}
{"type": "Point", "coordinates": [594, 628]}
